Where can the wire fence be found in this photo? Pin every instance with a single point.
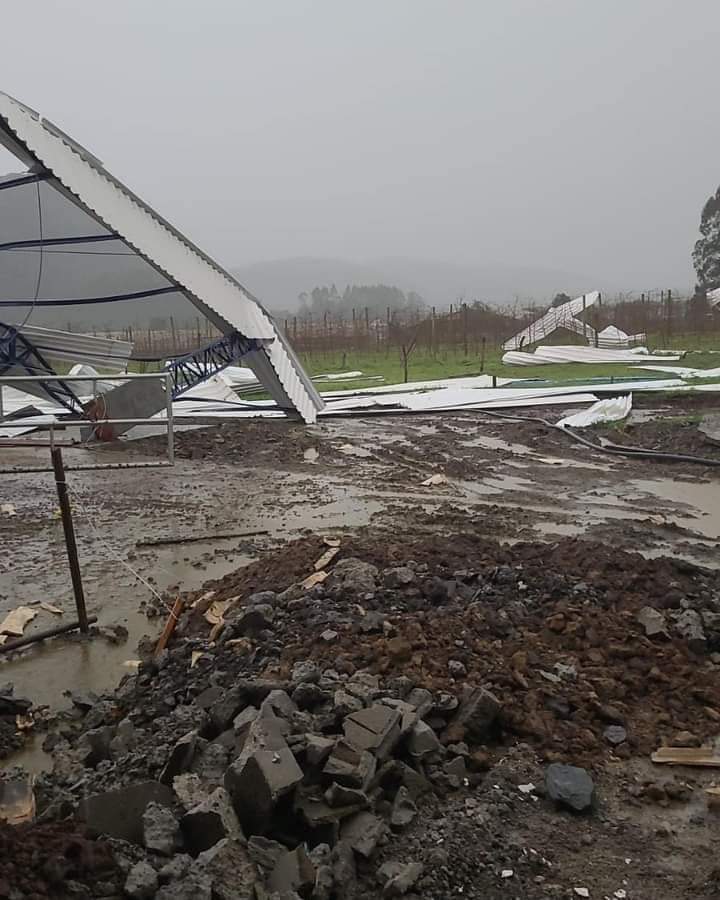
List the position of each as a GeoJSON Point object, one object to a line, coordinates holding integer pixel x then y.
{"type": "Point", "coordinates": [469, 329]}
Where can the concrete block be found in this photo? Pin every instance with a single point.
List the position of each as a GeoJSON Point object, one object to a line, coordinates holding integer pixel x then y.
{"type": "Point", "coordinates": [181, 757]}
{"type": "Point", "coordinates": [231, 870]}
{"type": "Point", "coordinates": [293, 871]}
{"type": "Point", "coordinates": [350, 766]}
{"type": "Point", "coordinates": [376, 729]}
{"type": "Point", "coordinates": [119, 813]}
{"type": "Point", "coordinates": [209, 822]}
{"type": "Point", "coordinates": [257, 782]}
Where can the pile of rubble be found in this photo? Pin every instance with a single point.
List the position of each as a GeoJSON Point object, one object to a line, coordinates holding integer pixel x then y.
{"type": "Point", "coordinates": [305, 717]}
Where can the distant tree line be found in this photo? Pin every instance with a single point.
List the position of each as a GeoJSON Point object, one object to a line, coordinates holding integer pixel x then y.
{"type": "Point", "coordinates": [376, 298]}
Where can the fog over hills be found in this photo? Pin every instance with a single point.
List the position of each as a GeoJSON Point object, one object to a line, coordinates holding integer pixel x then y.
{"type": "Point", "coordinates": [277, 283]}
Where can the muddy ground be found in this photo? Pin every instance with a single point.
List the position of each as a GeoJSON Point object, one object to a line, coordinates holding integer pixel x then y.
{"type": "Point", "coordinates": [593, 538]}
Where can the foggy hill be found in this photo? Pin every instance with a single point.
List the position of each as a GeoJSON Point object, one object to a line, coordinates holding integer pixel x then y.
{"type": "Point", "coordinates": [277, 283]}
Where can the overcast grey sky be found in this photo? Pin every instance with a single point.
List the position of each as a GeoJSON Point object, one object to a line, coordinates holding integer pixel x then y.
{"type": "Point", "coordinates": [573, 134]}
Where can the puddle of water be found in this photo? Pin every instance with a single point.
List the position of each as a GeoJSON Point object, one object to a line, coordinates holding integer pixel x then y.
{"type": "Point", "coordinates": [562, 462]}
{"type": "Point", "coordinates": [562, 528]}
{"type": "Point", "coordinates": [493, 443]}
{"type": "Point", "coordinates": [703, 498]}
{"type": "Point", "coordinates": [354, 450]}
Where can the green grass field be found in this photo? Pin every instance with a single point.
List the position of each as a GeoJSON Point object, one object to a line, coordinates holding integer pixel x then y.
{"type": "Point", "coordinates": [425, 367]}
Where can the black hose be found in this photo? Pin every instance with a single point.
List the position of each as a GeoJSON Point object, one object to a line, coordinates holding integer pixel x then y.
{"type": "Point", "coordinates": [613, 449]}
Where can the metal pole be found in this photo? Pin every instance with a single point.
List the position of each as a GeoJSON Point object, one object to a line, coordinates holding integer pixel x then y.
{"type": "Point", "coordinates": [66, 513]}
{"type": "Point", "coordinates": [169, 416]}
{"type": "Point", "coordinates": [2, 411]}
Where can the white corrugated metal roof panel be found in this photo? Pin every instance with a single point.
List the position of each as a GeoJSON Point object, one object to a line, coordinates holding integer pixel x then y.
{"type": "Point", "coordinates": [81, 176]}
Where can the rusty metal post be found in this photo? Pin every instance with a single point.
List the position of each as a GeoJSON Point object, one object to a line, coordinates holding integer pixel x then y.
{"type": "Point", "coordinates": [66, 513]}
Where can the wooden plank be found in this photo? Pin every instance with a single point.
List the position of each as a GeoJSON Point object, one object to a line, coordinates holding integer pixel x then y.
{"type": "Point", "coordinates": [327, 557]}
{"type": "Point", "coordinates": [169, 626]}
{"type": "Point", "coordinates": [686, 756]}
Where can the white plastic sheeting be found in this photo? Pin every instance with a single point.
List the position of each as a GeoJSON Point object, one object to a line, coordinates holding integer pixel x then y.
{"type": "Point", "coordinates": [614, 409]}
{"type": "Point", "coordinates": [612, 336]}
{"type": "Point", "coordinates": [547, 355]}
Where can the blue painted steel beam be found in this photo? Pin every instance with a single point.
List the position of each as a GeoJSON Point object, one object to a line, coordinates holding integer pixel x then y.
{"type": "Point", "coordinates": [16, 351]}
{"type": "Point", "coordinates": [198, 366]}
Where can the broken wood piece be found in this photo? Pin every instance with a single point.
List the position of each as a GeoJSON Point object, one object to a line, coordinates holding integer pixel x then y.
{"type": "Point", "coordinates": [215, 613]}
{"type": "Point", "coordinates": [327, 557]}
{"type": "Point", "coordinates": [434, 479]}
{"type": "Point", "coordinates": [686, 756]}
{"type": "Point", "coordinates": [203, 598]}
{"type": "Point", "coordinates": [189, 539]}
{"type": "Point", "coordinates": [713, 797]}
{"type": "Point", "coordinates": [315, 578]}
{"type": "Point", "coordinates": [331, 542]}
{"type": "Point", "coordinates": [216, 631]}
{"type": "Point", "coordinates": [132, 664]}
{"type": "Point", "coordinates": [194, 657]}
{"type": "Point", "coordinates": [169, 626]}
{"type": "Point", "coordinates": [15, 622]}
{"type": "Point", "coordinates": [51, 608]}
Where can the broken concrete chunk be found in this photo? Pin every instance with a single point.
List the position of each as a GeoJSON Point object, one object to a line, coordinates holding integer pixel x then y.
{"type": "Point", "coordinates": [350, 766]}
{"type": "Point", "coordinates": [161, 830]}
{"type": "Point", "coordinates": [142, 882]}
{"type": "Point", "coordinates": [210, 763]}
{"type": "Point", "coordinates": [264, 852]}
{"type": "Point", "coordinates": [615, 734]}
{"type": "Point", "coordinates": [243, 720]}
{"type": "Point", "coordinates": [569, 786]}
{"type": "Point", "coordinates": [456, 767]}
{"type": "Point", "coordinates": [176, 868]}
{"type": "Point", "coordinates": [224, 710]}
{"type": "Point", "coordinates": [305, 672]}
{"type": "Point", "coordinates": [653, 622]}
{"type": "Point", "coordinates": [342, 861]}
{"type": "Point", "coordinates": [421, 700]}
{"type": "Point", "coordinates": [376, 729]}
{"type": "Point", "coordinates": [181, 757]}
{"type": "Point", "coordinates": [399, 884]}
{"type": "Point", "coordinates": [94, 745]}
{"type": "Point", "coordinates": [345, 703]}
{"type": "Point", "coordinates": [690, 626]}
{"type": "Point", "coordinates": [477, 713]}
{"type": "Point", "coordinates": [293, 871]}
{"type": "Point", "coordinates": [258, 782]}
{"type": "Point", "coordinates": [422, 741]}
{"type": "Point", "coordinates": [362, 832]}
{"type": "Point", "coordinates": [317, 749]}
{"type": "Point", "coordinates": [193, 886]}
{"type": "Point", "coordinates": [120, 813]}
{"type": "Point", "coordinates": [280, 704]}
{"type": "Point", "coordinates": [231, 870]}
{"type": "Point", "coordinates": [339, 795]}
{"type": "Point", "coordinates": [403, 809]}
{"type": "Point", "coordinates": [308, 695]}
{"type": "Point", "coordinates": [399, 577]}
{"type": "Point", "coordinates": [124, 740]}
{"type": "Point", "coordinates": [209, 822]}
{"type": "Point", "coordinates": [189, 790]}
{"type": "Point", "coordinates": [353, 576]}
{"type": "Point", "coordinates": [254, 619]}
